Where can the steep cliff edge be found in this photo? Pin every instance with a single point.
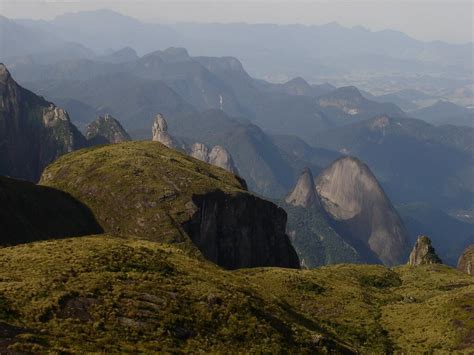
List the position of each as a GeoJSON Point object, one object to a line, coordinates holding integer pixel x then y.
{"type": "Point", "coordinates": [150, 191]}
{"type": "Point", "coordinates": [360, 210]}
{"type": "Point", "coordinates": [33, 131]}
{"type": "Point", "coordinates": [241, 230]}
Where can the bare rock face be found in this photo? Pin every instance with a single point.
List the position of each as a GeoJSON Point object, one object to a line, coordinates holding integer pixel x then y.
{"type": "Point", "coordinates": [466, 260]}
{"type": "Point", "coordinates": [160, 132]}
{"type": "Point", "coordinates": [423, 253]}
{"type": "Point", "coordinates": [354, 200]}
{"type": "Point", "coordinates": [304, 192]}
{"type": "Point", "coordinates": [200, 151]}
{"type": "Point", "coordinates": [240, 231]}
{"type": "Point", "coordinates": [218, 156]}
{"type": "Point", "coordinates": [106, 130]}
{"type": "Point", "coordinates": [33, 131]}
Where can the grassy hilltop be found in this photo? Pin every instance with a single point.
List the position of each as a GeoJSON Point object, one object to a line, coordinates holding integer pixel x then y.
{"type": "Point", "coordinates": [103, 293]}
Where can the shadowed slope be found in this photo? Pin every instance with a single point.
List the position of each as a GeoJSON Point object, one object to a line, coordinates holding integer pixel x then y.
{"type": "Point", "coordinates": [29, 212]}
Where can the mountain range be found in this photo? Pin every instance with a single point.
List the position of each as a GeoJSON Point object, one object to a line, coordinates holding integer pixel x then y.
{"type": "Point", "coordinates": [198, 208]}
{"type": "Point", "coordinates": [332, 41]}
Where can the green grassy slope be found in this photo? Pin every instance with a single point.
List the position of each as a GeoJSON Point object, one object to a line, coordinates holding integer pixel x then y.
{"type": "Point", "coordinates": [102, 293]}
{"type": "Point", "coordinates": [138, 188]}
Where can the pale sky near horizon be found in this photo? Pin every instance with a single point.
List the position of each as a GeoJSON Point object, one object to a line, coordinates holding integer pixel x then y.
{"type": "Point", "coordinates": [447, 20]}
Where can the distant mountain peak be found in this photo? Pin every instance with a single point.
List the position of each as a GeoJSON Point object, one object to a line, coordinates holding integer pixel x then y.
{"type": "Point", "coordinates": [347, 98]}
{"type": "Point", "coordinates": [160, 132]}
{"type": "Point", "coordinates": [34, 131]}
{"type": "Point", "coordinates": [106, 130]}
{"type": "Point", "coordinates": [123, 55]}
{"type": "Point", "coordinates": [177, 51]}
{"type": "Point", "coordinates": [297, 80]}
{"type": "Point", "coordinates": [347, 92]}
{"type": "Point", "coordinates": [353, 197]}
{"type": "Point", "coordinates": [217, 156]}
{"type": "Point", "coordinates": [304, 192]}
{"type": "Point", "coordinates": [423, 253]}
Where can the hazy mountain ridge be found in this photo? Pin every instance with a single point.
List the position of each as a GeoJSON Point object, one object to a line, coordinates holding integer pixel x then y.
{"type": "Point", "coordinates": [168, 244]}
{"type": "Point", "coordinates": [443, 112]}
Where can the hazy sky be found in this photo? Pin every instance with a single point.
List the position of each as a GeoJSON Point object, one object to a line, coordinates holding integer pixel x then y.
{"type": "Point", "coordinates": [448, 20]}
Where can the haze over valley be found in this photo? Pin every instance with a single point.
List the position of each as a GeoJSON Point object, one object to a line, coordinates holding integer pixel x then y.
{"type": "Point", "coordinates": [331, 167]}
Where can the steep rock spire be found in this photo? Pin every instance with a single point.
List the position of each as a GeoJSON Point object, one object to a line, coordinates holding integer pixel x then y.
{"type": "Point", "coordinates": [304, 192]}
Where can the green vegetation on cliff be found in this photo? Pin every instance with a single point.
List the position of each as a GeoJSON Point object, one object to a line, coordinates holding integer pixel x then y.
{"type": "Point", "coordinates": [315, 241]}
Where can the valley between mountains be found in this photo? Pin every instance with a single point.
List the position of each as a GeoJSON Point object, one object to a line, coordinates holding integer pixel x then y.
{"type": "Point", "coordinates": [173, 203]}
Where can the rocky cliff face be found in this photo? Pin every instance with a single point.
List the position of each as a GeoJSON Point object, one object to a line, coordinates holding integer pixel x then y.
{"type": "Point", "coordinates": [33, 131]}
{"type": "Point", "coordinates": [361, 211]}
{"type": "Point", "coordinates": [160, 132]}
{"type": "Point", "coordinates": [163, 195]}
{"type": "Point", "coordinates": [218, 156]}
{"type": "Point", "coordinates": [105, 130]}
{"type": "Point", "coordinates": [240, 231]}
{"type": "Point", "coordinates": [423, 253]}
{"type": "Point", "coordinates": [466, 260]}
{"type": "Point", "coordinates": [200, 151]}
{"type": "Point", "coordinates": [304, 192]}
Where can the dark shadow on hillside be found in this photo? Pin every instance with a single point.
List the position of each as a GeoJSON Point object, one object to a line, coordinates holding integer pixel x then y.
{"type": "Point", "coordinates": [29, 212]}
{"type": "Point", "coordinates": [240, 231]}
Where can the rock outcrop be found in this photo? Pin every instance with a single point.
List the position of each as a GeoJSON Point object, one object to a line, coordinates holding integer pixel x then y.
{"type": "Point", "coordinates": [33, 131]}
{"type": "Point", "coordinates": [304, 192]}
{"type": "Point", "coordinates": [163, 195]}
{"type": "Point", "coordinates": [240, 231]}
{"type": "Point", "coordinates": [218, 156]}
{"type": "Point", "coordinates": [466, 260]}
{"type": "Point", "coordinates": [160, 132]}
{"type": "Point", "coordinates": [200, 151]}
{"type": "Point", "coordinates": [423, 253]}
{"type": "Point", "coordinates": [360, 210]}
{"type": "Point", "coordinates": [106, 130]}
